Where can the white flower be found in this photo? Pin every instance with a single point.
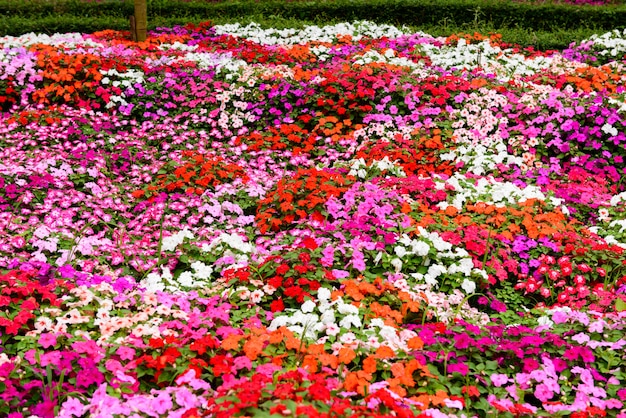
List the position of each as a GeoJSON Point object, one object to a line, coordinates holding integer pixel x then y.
{"type": "Point", "coordinates": [256, 296]}
{"type": "Point", "coordinates": [170, 243]}
{"type": "Point", "coordinates": [347, 338]}
{"type": "Point", "coordinates": [346, 308]}
{"type": "Point", "coordinates": [350, 321]}
{"type": "Point", "coordinates": [420, 248]}
{"type": "Point", "coordinates": [186, 279]}
{"type": "Point", "coordinates": [308, 306]}
{"type": "Point", "coordinates": [202, 271]}
{"type": "Point", "coordinates": [468, 286]}
{"type": "Point", "coordinates": [400, 251]}
{"type": "Point", "coordinates": [323, 294]}
{"type": "Point", "coordinates": [377, 322]}
{"type": "Point", "coordinates": [328, 317]}
{"type": "Point", "coordinates": [609, 129]}
{"type": "Point", "coordinates": [545, 321]}
{"type": "Point", "coordinates": [397, 264]}
{"type": "Point", "coordinates": [603, 214]}
{"type": "Point", "coordinates": [277, 322]}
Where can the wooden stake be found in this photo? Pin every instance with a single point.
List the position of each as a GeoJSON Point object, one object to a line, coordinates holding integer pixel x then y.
{"type": "Point", "coordinates": [133, 29]}
{"type": "Point", "coordinates": [141, 20]}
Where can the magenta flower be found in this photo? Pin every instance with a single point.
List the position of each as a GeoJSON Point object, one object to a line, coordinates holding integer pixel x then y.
{"type": "Point", "coordinates": [47, 340]}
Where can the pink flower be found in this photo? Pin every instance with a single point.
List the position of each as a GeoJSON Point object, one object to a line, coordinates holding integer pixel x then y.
{"type": "Point", "coordinates": [47, 340]}
{"type": "Point", "coordinates": [328, 256]}
{"type": "Point", "coordinates": [72, 407]}
{"type": "Point", "coordinates": [18, 242]}
{"type": "Point", "coordinates": [162, 403]}
{"type": "Point", "coordinates": [543, 393]}
{"type": "Point", "coordinates": [499, 379]}
{"type": "Point", "coordinates": [125, 353]}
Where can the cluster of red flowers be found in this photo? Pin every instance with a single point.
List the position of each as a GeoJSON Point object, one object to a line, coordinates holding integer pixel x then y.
{"type": "Point", "coordinates": [21, 296]}
{"type": "Point", "coordinates": [197, 173]}
{"type": "Point", "coordinates": [294, 198]}
{"type": "Point", "coordinates": [417, 155]}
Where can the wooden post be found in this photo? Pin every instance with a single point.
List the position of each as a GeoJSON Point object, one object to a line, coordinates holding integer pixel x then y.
{"type": "Point", "coordinates": [133, 28]}
{"type": "Point", "coordinates": [141, 20]}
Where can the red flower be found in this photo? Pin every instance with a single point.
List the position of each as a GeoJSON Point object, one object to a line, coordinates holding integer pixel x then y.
{"type": "Point", "coordinates": [309, 243]}
{"type": "Point", "coordinates": [277, 306]}
{"type": "Point", "coordinates": [156, 342]}
{"type": "Point", "coordinates": [282, 269]}
{"type": "Point", "coordinates": [319, 392]}
{"type": "Point", "coordinates": [471, 391]}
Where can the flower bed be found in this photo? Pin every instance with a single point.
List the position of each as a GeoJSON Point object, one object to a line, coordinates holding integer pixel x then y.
{"type": "Point", "coordinates": [343, 221]}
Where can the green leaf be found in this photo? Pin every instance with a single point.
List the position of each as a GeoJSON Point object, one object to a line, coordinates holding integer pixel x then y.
{"type": "Point", "coordinates": [620, 305]}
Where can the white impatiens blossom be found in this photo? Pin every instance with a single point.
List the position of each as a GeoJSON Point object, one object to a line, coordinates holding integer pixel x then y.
{"type": "Point", "coordinates": [171, 242]}
{"type": "Point", "coordinates": [468, 286]}
{"type": "Point", "coordinates": [201, 270]}
{"type": "Point", "coordinates": [359, 168]}
{"type": "Point", "coordinates": [126, 80]}
{"type": "Point", "coordinates": [234, 241]}
{"type": "Point", "coordinates": [411, 246]}
{"type": "Point", "coordinates": [186, 279]}
{"type": "Point", "coordinates": [491, 191]}
{"type": "Point", "coordinates": [610, 44]}
{"type": "Point", "coordinates": [223, 63]}
{"type": "Point", "coordinates": [308, 306]}
{"type": "Point", "coordinates": [350, 321]}
{"type": "Point", "coordinates": [618, 198]}
{"type": "Point", "coordinates": [66, 40]}
{"type": "Point", "coordinates": [502, 62]}
{"type": "Point", "coordinates": [301, 321]}
{"type": "Point", "coordinates": [388, 58]}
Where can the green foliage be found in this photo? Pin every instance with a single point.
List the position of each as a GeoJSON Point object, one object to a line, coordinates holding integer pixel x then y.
{"type": "Point", "coordinates": [544, 25]}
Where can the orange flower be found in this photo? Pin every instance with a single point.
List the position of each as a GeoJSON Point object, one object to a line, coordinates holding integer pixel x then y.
{"type": "Point", "coordinates": [231, 342]}
{"type": "Point", "coordinates": [369, 364]}
{"type": "Point", "coordinates": [357, 381]}
{"type": "Point", "coordinates": [346, 355]}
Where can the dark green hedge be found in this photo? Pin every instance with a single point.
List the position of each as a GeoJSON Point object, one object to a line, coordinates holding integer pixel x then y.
{"type": "Point", "coordinates": [21, 16]}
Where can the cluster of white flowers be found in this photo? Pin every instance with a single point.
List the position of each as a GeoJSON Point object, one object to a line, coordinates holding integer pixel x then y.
{"type": "Point", "coordinates": [618, 198]}
{"type": "Point", "coordinates": [223, 63]}
{"type": "Point", "coordinates": [200, 277]}
{"type": "Point", "coordinates": [124, 80]}
{"type": "Point", "coordinates": [234, 241]}
{"type": "Point", "coordinates": [388, 57]}
{"type": "Point", "coordinates": [415, 258]}
{"type": "Point", "coordinates": [65, 40]}
{"type": "Point", "coordinates": [359, 168]}
{"type": "Point", "coordinates": [611, 44]}
{"type": "Point", "coordinates": [307, 323]}
{"type": "Point", "coordinates": [612, 229]}
{"type": "Point", "coordinates": [490, 191]}
{"type": "Point", "coordinates": [170, 243]}
{"type": "Point", "coordinates": [254, 32]}
{"type": "Point", "coordinates": [177, 46]}
{"type": "Point", "coordinates": [493, 59]}
{"type": "Point", "coordinates": [480, 159]}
